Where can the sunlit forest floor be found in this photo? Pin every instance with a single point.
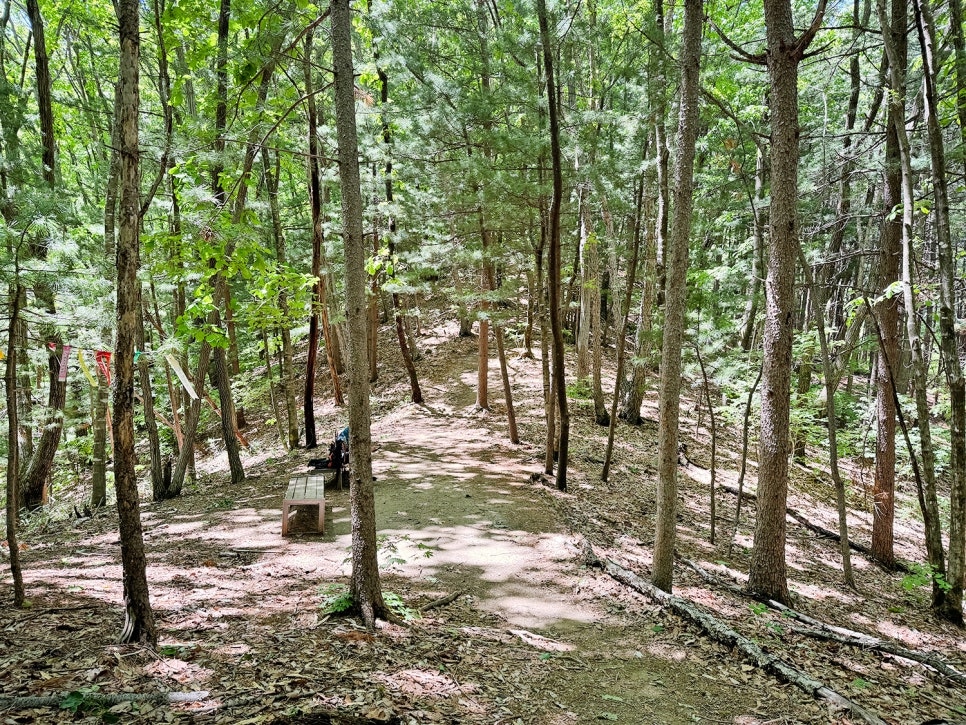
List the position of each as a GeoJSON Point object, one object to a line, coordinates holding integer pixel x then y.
{"type": "Point", "coordinates": [534, 635]}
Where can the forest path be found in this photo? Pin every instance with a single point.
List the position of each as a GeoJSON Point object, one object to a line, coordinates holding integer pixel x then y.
{"type": "Point", "coordinates": [456, 512]}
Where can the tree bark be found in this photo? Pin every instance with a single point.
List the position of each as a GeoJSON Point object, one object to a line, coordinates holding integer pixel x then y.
{"type": "Point", "coordinates": [554, 250]}
{"type": "Point", "coordinates": [767, 575]}
{"type": "Point", "coordinates": [13, 450]}
{"type": "Point", "coordinates": [675, 299]}
{"type": "Point", "coordinates": [952, 609]}
{"type": "Point", "coordinates": [287, 374]}
{"type": "Point", "coordinates": [929, 501]}
{"type": "Point", "coordinates": [139, 625]}
{"type": "Point", "coordinates": [366, 589]}
{"type": "Point", "coordinates": [887, 312]}
{"type": "Point", "coordinates": [319, 319]}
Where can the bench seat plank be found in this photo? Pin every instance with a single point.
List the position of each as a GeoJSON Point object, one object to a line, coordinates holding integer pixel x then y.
{"type": "Point", "coordinates": [306, 490]}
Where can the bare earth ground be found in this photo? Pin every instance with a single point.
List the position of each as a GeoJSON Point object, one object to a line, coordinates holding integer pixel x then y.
{"type": "Point", "coordinates": [535, 636]}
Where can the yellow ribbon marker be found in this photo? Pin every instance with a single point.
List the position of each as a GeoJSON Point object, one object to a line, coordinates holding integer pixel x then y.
{"type": "Point", "coordinates": [87, 372]}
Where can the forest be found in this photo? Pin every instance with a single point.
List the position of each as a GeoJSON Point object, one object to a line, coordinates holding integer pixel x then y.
{"type": "Point", "coordinates": [649, 317]}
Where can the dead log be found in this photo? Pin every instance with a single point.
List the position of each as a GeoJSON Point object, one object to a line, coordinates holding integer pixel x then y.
{"type": "Point", "coordinates": [722, 633]}
{"type": "Point", "coordinates": [800, 519]}
{"type": "Point", "coordinates": [830, 632]}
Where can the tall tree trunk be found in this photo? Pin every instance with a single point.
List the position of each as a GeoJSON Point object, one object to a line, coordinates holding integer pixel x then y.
{"type": "Point", "coordinates": [319, 320]}
{"type": "Point", "coordinates": [483, 348]}
{"type": "Point", "coordinates": [928, 501]}
{"type": "Point", "coordinates": [675, 299]}
{"type": "Point", "coordinates": [887, 311]}
{"type": "Point", "coordinates": [952, 609]}
{"type": "Point", "coordinates": [102, 391]}
{"type": "Point", "coordinates": [622, 334]}
{"type": "Point", "coordinates": [221, 378]}
{"type": "Point", "coordinates": [147, 402]}
{"type": "Point", "coordinates": [139, 624]}
{"type": "Point", "coordinates": [287, 374]}
{"type": "Point", "coordinates": [366, 589]}
{"type": "Point", "coordinates": [404, 349]}
{"type": "Point", "coordinates": [13, 450]}
{"type": "Point", "coordinates": [34, 480]}
{"type": "Point", "coordinates": [758, 235]}
{"type": "Point", "coordinates": [767, 575]}
{"type": "Point", "coordinates": [554, 249]}
{"type": "Point", "coordinates": [44, 97]}
{"type": "Point", "coordinates": [511, 417]}
{"type": "Point", "coordinates": [587, 284]}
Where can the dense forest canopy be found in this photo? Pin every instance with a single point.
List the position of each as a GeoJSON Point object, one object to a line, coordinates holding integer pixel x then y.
{"type": "Point", "coordinates": [514, 209]}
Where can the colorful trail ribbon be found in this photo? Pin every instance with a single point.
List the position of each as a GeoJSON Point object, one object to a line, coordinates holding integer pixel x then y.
{"type": "Point", "coordinates": [173, 362]}
{"type": "Point", "coordinates": [87, 372]}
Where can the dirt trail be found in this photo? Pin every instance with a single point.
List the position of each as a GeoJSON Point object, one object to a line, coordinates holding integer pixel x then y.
{"type": "Point", "coordinates": [461, 515]}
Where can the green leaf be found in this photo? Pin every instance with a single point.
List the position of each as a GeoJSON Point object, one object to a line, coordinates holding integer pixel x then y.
{"type": "Point", "coordinates": [607, 716]}
{"type": "Point", "coordinates": [613, 698]}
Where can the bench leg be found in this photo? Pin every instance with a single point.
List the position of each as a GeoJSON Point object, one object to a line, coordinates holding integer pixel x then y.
{"type": "Point", "coordinates": [285, 512]}
{"type": "Point", "coordinates": [322, 517]}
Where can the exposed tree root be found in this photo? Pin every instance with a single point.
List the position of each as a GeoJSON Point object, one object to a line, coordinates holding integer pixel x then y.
{"type": "Point", "coordinates": [831, 633]}
{"type": "Point", "coordinates": [802, 520]}
{"type": "Point", "coordinates": [720, 632]}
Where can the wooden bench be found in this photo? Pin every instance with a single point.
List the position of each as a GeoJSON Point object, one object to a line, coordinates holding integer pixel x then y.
{"type": "Point", "coordinates": [306, 491]}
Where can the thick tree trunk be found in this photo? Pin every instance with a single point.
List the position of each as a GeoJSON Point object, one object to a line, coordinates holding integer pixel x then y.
{"type": "Point", "coordinates": [139, 625]}
{"type": "Point", "coordinates": [675, 299]}
{"type": "Point", "coordinates": [767, 575]}
{"type": "Point", "coordinates": [887, 312]}
{"type": "Point", "coordinates": [33, 485]}
{"type": "Point", "coordinates": [366, 589]}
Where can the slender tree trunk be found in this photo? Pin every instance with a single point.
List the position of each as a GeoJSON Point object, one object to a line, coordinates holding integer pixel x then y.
{"type": "Point", "coordinates": [404, 348]}
{"type": "Point", "coordinates": [952, 609]}
{"type": "Point", "coordinates": [220, 375]}
{"type": "Point", "coordinates": [139, 625]}
{"type": "Point", "coordinates": [817, 298]}
{"type": "Point", "coordinates": [147, 401]}
{"type": "Point", "coordinates": [754, 282]}
{"type": "Point", "coordinates": [929, 500]}
{"type": "Point", "coordinates": [319, 319]}
{"type": "Point", "coordinates": [483, 348]}
{"type": "Point", "coordinates": [675, 300]}
{"type": "Point", "coordinates": [554, 247]}
{"type": "Point", "coordinates": [366, 589]}
{"type": "Point", "coordinates": [622, 334]}
{"type": "Point", "coordinates": [587, 284]}
{"type": "Point", "coordinates": [287, 373]}
{"type": "Point", "coordinates": [13, 450]}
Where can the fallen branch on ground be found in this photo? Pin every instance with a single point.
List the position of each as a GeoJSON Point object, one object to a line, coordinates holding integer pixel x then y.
{"type": "Point", "coordinates": [722, 633]}
{"type": "Point", "coordinates": [800, 518]}
{"type": "Point", "coordinates": [14, 702]}
{"type": "Point", "coordinates": [441, 602]}
{"type": "Point", "coordinates": [841, 635]}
